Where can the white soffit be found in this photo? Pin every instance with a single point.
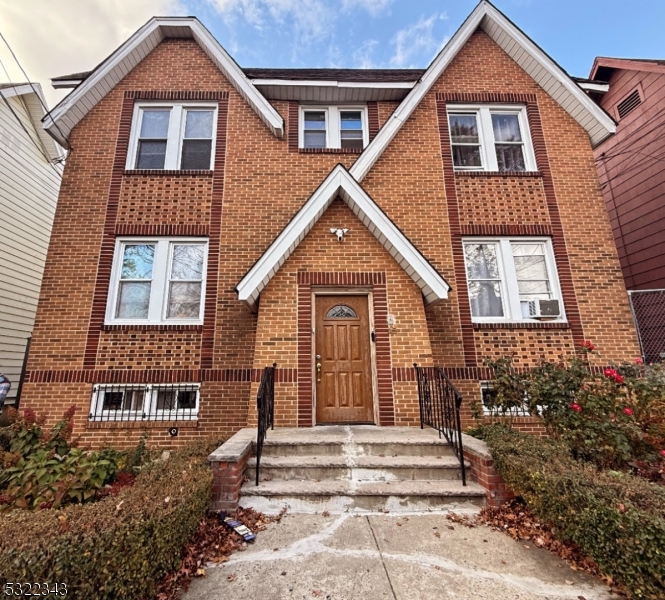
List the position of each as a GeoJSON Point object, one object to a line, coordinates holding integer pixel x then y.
{"type": "Point", "coordinates": [75, 106]}
{"type": "Point", "coordinates": [333, 91]}
{"type": "Point", "coordinates": [340, 183]}
{"type": "Point", "coordinates": [550, 76]}
{"type": "Point", "coordinates": [34, 100]}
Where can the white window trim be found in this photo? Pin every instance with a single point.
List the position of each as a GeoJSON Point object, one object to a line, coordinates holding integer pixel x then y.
{"type": "Point", "coordinates": [97, 412]}
{"type": "Point", "coordinates": [486, 134]}
{"type": "Point", "coordinates": [522, 411]}
{"type": "Point", "coordinates": [333, 124]}
{"type": "Point", "coordinates": [175, 134]}
{"type": "Point", "coordinates": [160, 280]}
{"type": "Point", "coordinates": [510, 296]}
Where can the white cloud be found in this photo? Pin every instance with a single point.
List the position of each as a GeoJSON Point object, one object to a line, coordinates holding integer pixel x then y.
{"type": "Point", "coordinates": [373, 7]}
{"type": "Point", "coordinates": [362, 57]}
{"type": "Point", "coordinates": [310, 19]}
{"type": "Point", "coordinates": [416, 41]}
{"type": "Point", "coordinates": [57, 38]}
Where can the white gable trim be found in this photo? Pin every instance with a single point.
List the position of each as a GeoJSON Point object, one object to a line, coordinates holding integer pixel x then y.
{"type": "Point", "coordinates": [75, 106]}
{"type": "Point", "coordinates": [340, 183]}
{"type": "Point", "coordinates": [550, 76]}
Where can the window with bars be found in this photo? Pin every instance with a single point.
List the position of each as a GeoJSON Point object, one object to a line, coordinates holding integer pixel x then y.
{"type": "Point", "coordinates": [333, 127]}
{"type": "Point", "coordinates": [505, 276]}
{"type": "Point", "coordinates": [158, 280]}
{"type": "Point", "coordinates": [490, 138]}
{"type": "Point", "coordinates": [172, 136]}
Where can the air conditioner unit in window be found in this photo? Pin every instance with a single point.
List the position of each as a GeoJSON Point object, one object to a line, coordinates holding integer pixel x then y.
{"type": "Point", "coordinates": [544, 309]}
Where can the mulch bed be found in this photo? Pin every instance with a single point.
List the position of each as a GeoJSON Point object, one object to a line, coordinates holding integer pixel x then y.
{"type": "Point", "coordinates": [214, 542]}
{"type": "Point", "coordinates": [515, 519]}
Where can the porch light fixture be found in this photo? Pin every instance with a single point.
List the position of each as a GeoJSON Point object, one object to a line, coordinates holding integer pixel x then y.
{"type": "Point", "coordinates": [340, 233]}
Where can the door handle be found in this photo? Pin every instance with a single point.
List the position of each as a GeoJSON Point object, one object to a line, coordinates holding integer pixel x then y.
{"type": "Point", "coordinates": [318, 372]}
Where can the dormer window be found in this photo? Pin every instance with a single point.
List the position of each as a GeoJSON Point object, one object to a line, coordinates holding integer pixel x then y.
{"type": "Point", "coordinates": [172, 137]}
{"type": "Point", "coordinates": [333, 127]}
{"type": "Point", "coordinates": [490, 138]}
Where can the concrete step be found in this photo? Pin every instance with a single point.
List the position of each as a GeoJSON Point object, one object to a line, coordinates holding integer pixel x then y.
{"type": "Point", "coordinates": [359, 496]}
{"type": "Point", "coordinates": [359, 468]}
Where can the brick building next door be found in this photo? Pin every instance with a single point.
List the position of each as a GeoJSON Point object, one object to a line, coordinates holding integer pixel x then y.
{"type": "Point", "coordinates": [343, 360]}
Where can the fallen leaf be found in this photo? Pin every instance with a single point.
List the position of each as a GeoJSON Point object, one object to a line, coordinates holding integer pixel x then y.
{"type": "Point", "coordinates": [437, 534]}
{"type": "Point", "coordinates": [232, 577]}
{"type": "Point", "coordinates": [200, 572]}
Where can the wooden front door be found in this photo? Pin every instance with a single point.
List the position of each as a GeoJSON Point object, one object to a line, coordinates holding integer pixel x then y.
{"type": "Point", "coordinates": [343, 360]}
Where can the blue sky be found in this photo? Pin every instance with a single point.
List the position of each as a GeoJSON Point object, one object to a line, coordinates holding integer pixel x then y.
{"type": "Point", "coordinates": [75, 35]}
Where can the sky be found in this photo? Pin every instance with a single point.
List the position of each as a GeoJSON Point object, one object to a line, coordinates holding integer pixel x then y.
{"type": "Point", "coordinates": [58, 37]}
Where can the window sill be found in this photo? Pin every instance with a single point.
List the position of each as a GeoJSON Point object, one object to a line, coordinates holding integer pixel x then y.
{"type": "Point", "coordinates": [153, 327]}
{"type": "Point", "coordinates": [171, 172]}
{"type": "Point", "coordinates": [498, 174]}
{"type": "Point", "coordinates": [522, 325]}
{"type": "Point", "coordinates": [330, 150]}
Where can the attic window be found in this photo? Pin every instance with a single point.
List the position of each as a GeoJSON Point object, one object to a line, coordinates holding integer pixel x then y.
{"type": "Point", "coordinates": [333, 127]}
{"type": "Point", "coordinates": [627, 105]}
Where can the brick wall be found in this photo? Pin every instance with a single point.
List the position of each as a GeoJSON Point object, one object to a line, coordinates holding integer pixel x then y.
{"type": "Point", "coordinates": [256, 188]}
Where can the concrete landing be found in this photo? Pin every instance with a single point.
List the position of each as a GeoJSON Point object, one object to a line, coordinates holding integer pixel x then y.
{"type": "Point", "coordinates": [377, 557]}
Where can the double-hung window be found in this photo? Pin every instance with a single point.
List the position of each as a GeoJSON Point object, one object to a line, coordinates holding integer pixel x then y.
{"type": "Point", "coordinates": [512, 279]}
{"type": "Point", "coordinates": [158, 281]}
{"type": "Point", "coordinates": [172, 136]}
{"type": "Point", "coordinates": [335, 127]}
{"type": "Point", "coordinates": [495, 138]}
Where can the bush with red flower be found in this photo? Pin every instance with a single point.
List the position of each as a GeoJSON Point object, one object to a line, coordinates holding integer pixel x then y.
{"type": "Point", "coordinates": [610, 418]}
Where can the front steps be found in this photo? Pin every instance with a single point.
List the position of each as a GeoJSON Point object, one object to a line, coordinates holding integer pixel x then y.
{"type": "Point", "coordinates": [358, 468]}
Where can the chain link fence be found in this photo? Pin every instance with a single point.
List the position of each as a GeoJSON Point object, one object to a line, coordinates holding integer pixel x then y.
{"type": "Point", "coordinates": [649, 313]}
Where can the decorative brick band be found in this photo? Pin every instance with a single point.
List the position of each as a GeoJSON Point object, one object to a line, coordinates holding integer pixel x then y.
{"type": "Point", "coordinates": [527, 325]}
{"type": "Point", "coordinates": [373, 119]}
{"type": "Point", "coordinates": [162, 327]}
{"type": "Point", "coordinates": [215, 235]}
{"type": "Point", "coordinates": [377, 281]}
{"type": "Point", "coordinates": [485, 97]}
{"type": "Point", "coordinates": [105, 260]}
{"type": "Point", "coordinates": [468, 341]}
{"type": "Point", "coordinates": [157, 376]}
{"type": "Point", "coordinates": [184, 230]}
{"type": "Point", "coordinates": [558, 239]}
{"type": "Point", "coordinates": [170, 172]}
{"type": "Point", "coordinates": [507, 229]}
{"type": "Point", "coordinates": [176, 95]}
{"type": "Point", "coordinates": [534, 174]}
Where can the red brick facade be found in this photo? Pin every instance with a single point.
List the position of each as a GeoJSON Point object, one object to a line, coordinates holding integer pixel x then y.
{"type": "Point", "coordinates": [258, 184]}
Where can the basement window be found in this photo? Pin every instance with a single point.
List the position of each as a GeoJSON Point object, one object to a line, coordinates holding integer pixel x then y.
{"type": "Point", "coordinates": [333, 127]}
{"type": "Point", "coordinates": [172, 136]}
{"type": "Point", "coordinates": [490, 138]}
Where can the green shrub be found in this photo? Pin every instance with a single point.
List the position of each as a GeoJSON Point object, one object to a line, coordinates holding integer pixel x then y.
{"type": "Point", "coordinates": [614, 517]}
{"type": "Point", "coordinates": [119, 547]}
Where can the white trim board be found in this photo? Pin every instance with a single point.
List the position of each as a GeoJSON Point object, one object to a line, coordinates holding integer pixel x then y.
{"type": "Point", "coordinates": [550, 76]}
{"type": "Point", "coordinates": [78, 103]}
{"type": "Point", "coordinates": [340, 183]}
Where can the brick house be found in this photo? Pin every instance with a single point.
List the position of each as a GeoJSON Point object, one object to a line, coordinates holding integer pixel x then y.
{"type": "Point", "coordinates": [214, 220]}
{"type": "Point", "coordinates": [632, 178]}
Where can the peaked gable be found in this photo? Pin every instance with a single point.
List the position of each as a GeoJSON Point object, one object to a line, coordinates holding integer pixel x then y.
{"type": "Point", "coordinates": [526, 53]}
{"type": "Point", "coordinates": [340, 183]}
{"type": "Point", "coordinates": [75, 106]}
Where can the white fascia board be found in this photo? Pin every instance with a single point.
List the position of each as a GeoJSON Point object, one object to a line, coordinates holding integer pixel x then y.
{"type": "Point", "coordinates": [370, 85]}
{"type": "Point", "coordinates": [600, 88]}
{"type": "Point", "coordinates": [209, 45]}
{"type": "Point", "coordinates": [484, 15]}
{"type": "Point", "coordinates": [340, 182]}
{"type": "Point", "coordinates": [19, 90]}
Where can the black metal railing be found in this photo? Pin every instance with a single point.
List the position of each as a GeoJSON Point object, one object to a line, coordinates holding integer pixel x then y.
{"type": "Point", "coordinates": [439, 408]}
{"type": "Point", "coordinates": [123, 402]}
{"type": "Point", "coordinates": [265, 405]}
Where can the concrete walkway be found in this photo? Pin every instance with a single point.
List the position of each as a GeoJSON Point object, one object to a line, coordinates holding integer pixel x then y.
{"type": "Point", "coordinates": [392, 557]}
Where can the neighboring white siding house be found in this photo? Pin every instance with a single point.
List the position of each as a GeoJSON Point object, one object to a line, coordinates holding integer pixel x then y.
{"type": "Point", "coordinates": [29, 185]}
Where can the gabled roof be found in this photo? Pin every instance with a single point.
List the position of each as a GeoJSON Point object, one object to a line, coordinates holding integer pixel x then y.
{"type": "Point", "coordinates": [100, 82]}
{"type": "Point", "coordinates": [547, 73]}
{"type": "Point", "coordinates": [604, 65]}
{"type": "Point", "coordinates": [34, 100]}
{"type": "Point", "coordinates": [340, 183]}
